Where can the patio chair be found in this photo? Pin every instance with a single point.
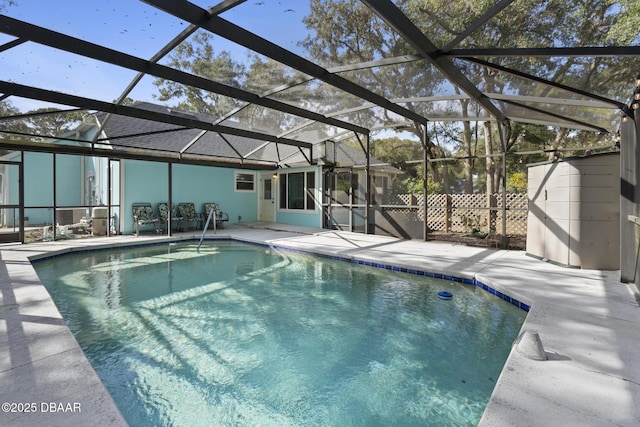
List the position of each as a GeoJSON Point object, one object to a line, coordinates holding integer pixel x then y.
{"type": "Point", "coordinates": [221, 217]}
{"type": "Point", "coordinates": [163, 213]}
{"type": "Point", "coordinates": [143, 215]}
{"type": "Point", "coordinates": [188, 213]}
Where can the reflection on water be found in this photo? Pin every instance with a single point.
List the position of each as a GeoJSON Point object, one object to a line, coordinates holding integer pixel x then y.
{"type": "Point", "coordinates": [239, 334]}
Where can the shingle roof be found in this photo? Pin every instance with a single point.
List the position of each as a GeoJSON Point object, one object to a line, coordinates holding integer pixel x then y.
{"type": "Point", "coordinates": [123, 132]}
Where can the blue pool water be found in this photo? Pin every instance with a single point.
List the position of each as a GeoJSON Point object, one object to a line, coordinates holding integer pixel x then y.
{"type": "Point", "coordinates": [240, 334]}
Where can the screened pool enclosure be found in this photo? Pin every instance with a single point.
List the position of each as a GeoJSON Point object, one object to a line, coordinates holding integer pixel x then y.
{"type": "Point", "coordinates": [410, 118]}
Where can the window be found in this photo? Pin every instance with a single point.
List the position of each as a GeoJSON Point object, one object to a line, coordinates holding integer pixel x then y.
{"type": "Point", "coordinates": [245, 181]}
{"type": "Point", "coordinates": [297, 191]}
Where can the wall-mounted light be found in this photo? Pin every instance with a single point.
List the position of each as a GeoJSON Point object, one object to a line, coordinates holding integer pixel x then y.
{"type": "Point", "coordinates": [638, 81]}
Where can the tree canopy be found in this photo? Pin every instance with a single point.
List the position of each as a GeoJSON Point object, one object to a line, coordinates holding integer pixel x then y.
{"type": "Point", "coordinates": [363, 37]}
{"type": "Point", "coordinates": [36, 125]}
{"type": "Point", "coordinates": [345, 33]}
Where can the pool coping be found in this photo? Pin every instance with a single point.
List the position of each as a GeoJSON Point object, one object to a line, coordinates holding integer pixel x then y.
{"type": "Point", "coordinates": [588, 321]}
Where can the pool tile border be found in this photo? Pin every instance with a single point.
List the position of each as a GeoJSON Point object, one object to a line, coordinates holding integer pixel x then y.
{"type": "Point", "coordinates": [465, 280]}
{"type": "Point", "coordinates": [109, 247]}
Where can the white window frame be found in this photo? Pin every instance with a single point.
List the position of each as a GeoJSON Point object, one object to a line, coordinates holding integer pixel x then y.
{"type": "Point", "coordinates": [236, 176]}
{"type": "Point", "coordinates": [283, 176]}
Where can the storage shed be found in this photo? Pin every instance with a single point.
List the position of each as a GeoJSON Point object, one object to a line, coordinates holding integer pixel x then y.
{"type": "Point", "coordinates": [574, 211]}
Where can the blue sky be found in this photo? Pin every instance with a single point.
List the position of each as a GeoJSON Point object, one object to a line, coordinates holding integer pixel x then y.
{"type": "Point", "coordinates": [130, 26]}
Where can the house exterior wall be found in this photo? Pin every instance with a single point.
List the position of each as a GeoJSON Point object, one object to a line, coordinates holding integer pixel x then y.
{"type": "Point", "coordinates": [38, 187]}
{"type": "Point", "coordinates": [145, 181]}
{"type": "Point", "coordinates": [142, 182]}
{"type": "Point", "coordinates": [305, 218]}
{"type": "Point", "coordinates": [203, 184]}
{"type": "Point", "coordinates": [82, 181]}
{"type": "Point", "coordinates": [38, 183]}
{"type": "Point", "coordinates": [148, 182]}
{"type": "Point", "coordinates": [68, 180]}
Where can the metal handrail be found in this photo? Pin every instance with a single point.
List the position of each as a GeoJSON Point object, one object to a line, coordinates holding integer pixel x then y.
{"type": "Point", "coordinates": [212, 213]}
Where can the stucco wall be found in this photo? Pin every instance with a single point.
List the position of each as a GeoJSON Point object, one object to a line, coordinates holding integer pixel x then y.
{"type": "Point", "coordinates": [38, 187]}
{"type": "Point", "coordinates": [68, 180]}
{"type": "Point", "coordinates": [301, 217]}
{"type": "Point", "coordinates": [149, 182]}
{"type": "Point", "coordinates": [201, 184]}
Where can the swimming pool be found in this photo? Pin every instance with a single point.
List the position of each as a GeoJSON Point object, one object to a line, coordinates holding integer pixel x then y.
{"type": "Point", "coordinates": [241, 334]}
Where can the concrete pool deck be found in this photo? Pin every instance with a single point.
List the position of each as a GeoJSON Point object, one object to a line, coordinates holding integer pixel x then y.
{"type": "Point", "coordinates": [588, 321]}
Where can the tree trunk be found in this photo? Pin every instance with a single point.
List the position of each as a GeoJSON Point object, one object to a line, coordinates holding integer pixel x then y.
{"type": "Point", "coordinates": [490, 169]}
{"type": "Point", "coordinates": [488, 78]}
{"type": "Point", "coordinates": [467, 140]}
{"type": "Point", "coordinates": [446, 185]}
{"type": "Point", "coordinates": [468, 161]}
{"type": "Point", "coordinates": [433, 170]}
{"type": "Point", "coordinates": [492, 182]}
{"type": "Point", "coordinates": [556, 142]}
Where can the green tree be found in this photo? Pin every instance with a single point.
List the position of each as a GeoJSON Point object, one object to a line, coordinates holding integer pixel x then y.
{"type": "Point", "coordinates": [48, 122]}
{"type": "Point", "coordinates": [347, 32]}
{"type": "Point", "coordinates": [7, 109]}
{"type": "Point", "coordinates": [398, 153]}
{"type": "Point", "coordinates": [405, 155]}
{"type": "Point", "coordinates": [198, 57]}
{"type": "Point", "coordinates": [256, 74]}
{"type": "Point", "coordinates": [517, 182]}
{"type": "Point", "coordinates": [35, 125]}
{"type": "Point", "coordinates": [563, 23]}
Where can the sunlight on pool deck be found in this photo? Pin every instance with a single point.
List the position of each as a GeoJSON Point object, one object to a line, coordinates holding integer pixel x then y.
{"type": "Point", "coordinates": [588, 321]}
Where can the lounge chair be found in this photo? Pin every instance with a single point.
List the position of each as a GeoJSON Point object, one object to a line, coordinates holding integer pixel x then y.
{"type": "Point", "coordinates": [221, 217]}
{"type": "Point", "coordinates": [143, 215]}
{"type": "Point", "coordinates": [163, 213]}
{"type": "Point", "coordinates": [188, 213]}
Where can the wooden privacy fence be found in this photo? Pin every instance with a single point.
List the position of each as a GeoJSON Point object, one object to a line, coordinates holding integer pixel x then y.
{"type": "Point", "coordinates": [464, 213]}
